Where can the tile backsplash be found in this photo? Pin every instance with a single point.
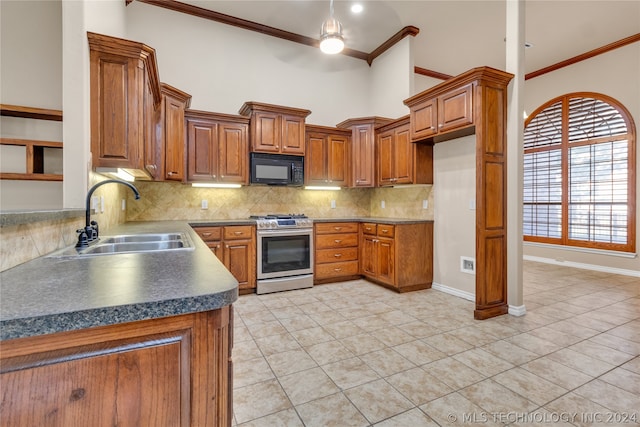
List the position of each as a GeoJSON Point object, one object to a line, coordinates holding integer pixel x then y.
{"type": "Point", "coordinates": [175, 201]}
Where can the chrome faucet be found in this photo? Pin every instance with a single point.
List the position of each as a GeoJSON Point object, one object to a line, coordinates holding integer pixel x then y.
{"type": "Point", "coordinates": [90, 232]}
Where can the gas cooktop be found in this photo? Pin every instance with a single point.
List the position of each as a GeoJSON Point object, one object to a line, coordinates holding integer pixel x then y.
{"type": "Point", "coordinates": [275, 221]}
{"type": "Point", "coordinates": [278, 216]}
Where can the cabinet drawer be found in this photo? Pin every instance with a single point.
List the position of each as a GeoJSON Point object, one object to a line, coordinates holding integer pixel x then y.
{"type": "Point", "coordinates": [336, 269]}
{"type": "Point", "coordinates": [336, 227]}
{"type": "Point", "coordinates": [369, 228]}
{"type": "Point", "coordinates": [209, 234]}
{"type": "Point", "coordinates": [333, 255]}
{"type": "Point", "coordinates": [386, 230]}
{"type": "Point", "coordinates": [238, 232]}
{"type": "Point", "coordinates": [345, 240]}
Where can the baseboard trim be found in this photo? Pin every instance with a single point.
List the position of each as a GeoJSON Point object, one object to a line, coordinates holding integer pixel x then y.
{"type": "Point", "coordinates": [583, 266]}
{"type": "Point", "coordinates": [453, 291]}
{"type": "Point", "coordinates": [517, 310]}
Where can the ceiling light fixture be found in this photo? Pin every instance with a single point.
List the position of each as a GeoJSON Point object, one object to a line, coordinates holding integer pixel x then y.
{"type": "Point", "coordinates": [331, 40]}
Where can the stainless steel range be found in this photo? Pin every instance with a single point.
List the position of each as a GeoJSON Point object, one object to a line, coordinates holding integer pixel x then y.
{"type": "Point", "coordinates": [285, 252]}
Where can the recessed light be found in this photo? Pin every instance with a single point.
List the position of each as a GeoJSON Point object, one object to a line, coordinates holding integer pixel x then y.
{"type": "Point", "coordinates": [356, 8]}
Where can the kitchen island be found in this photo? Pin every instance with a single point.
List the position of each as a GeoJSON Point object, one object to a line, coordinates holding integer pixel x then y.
{"type": "Point", "coordinates": [127, 339]}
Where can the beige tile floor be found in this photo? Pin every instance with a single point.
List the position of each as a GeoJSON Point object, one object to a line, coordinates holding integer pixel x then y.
{"type": "Point", "coordinates": [356, 354]}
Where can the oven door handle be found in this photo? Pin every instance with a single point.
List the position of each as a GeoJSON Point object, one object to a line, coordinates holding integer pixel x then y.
{"type": "Point", "coordinates": [294, 232]}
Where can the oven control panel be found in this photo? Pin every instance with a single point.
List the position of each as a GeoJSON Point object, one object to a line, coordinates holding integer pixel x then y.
{"type": "Point", "coordinates": [266, 224]}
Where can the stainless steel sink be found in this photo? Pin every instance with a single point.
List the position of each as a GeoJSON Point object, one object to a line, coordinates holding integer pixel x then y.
{"type": "Point", "coordinates": [129, 243]}
{"type": "Point", "coordinates": [136, 238]}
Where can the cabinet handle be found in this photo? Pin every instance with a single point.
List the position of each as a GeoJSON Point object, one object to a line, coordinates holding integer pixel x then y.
{"type": "Point", "coordinates": [337, 228]}
{"type": "Point", "coordinates": [441, 125]}
{"type": "Point", "coordinates": [237, 233]}
{"type": "Point", "coordinates": [337, 269]}
{"type": "Point", "coordinates": [368, 228]}
{"type": "Point", "coordinates": [151, 167]}
{"type": "Point", "coordinates": [221, 176]}
{"type": "Point", "coordinates": [172, 173]}
{"type": "Point", "coordinates": [337, 241]}
{"type": "Point", "coordinates": [206, 234]}
{"type": "Point", "coordinates": [213, 176]}
{"type": "Point", "coordinates": [338, 255]}
{"type": "Point", "coordinates": [385, 231]}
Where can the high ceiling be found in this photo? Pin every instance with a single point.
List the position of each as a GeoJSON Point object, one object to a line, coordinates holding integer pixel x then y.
{"type": "Point", "coordinates": [454, 35]}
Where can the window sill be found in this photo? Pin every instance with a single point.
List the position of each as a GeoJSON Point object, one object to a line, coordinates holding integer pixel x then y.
{"type": "Point", "coordinates": [583, 250]}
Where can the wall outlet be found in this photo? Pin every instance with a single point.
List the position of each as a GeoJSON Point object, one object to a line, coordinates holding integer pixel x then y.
{"type": "Point", "coordinates": [382, 204]}
{"type": "Point", "coordinates": [94, 203]}
{"type": "Point", "coordinates": [472, 204]}
{"type": "Point", "coordinates": [204, 204]}
{"type": "Point", "coordinates": [467, 265]}
{"type": "Point", "coordinates": [124, 204]}
{"type": "Point", "coordinates": [333, 204]}
{"type": "Point", "coordinates": [425, 204]}
{"type": "Point", "coordinates": [101, 203]}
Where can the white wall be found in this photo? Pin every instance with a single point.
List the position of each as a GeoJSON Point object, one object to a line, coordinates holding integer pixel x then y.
{"type": "Point", "coordinates": [392, 81]}
{"type": "Point", "coordinates": [615, 74]}
{"type": "Point", "coordinates": [31, 76]}
{"type": "Point", "coordinates": [454, 177]}
{"type": "Point", "coordinates": [222, 67]}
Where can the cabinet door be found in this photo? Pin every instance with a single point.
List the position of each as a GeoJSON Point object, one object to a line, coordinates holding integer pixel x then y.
{"type": "Point", "coordinates": [315, 167]}
{"type": "Point", "coordinates": [385, 271]}
{"type": "Point", "coordinates": [338, 160]}
{"type": "Point", "coordinates": [265, 132]}
{"type": "Point", "coordinates": [153, 141]}
{"type": "Point", "coordinates": [403, 155]}
{"type": "Point", "coordinates": [292, 134]}
{"type": "Point", "coordinates": [233, 153]}
{"type": "Point", "coordinates": [363, 149]}
{"type": "Point", "coordinates": [202, 151]}
{"type": "Point", "coordinates": [385, 158]}
{"type": "Point", "coordinates": [369, 258]}
{"type": "Point", "coordinates": [174, 139]}
{"type": "Point", "coordinates": [142, 381]}
{"type": "Point", "coordinates": [240, 260]}
{"type": "Point", "coordinates": [455, 109]}
{"type": "Point", "coordinates": [117, 87]}
{"type": "Point", "coordinates": [424, 120]}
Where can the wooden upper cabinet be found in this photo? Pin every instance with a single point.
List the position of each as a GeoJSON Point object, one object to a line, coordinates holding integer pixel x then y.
{"type": "Point", "coordinates": [174, 103]}
{"type": "Point", "coordinates": [399, 161]}
{"type": "Point", "coordinates": [276, 129]}
{"type": "Point", "coordinates": [124, 90]}
{"type": "Point", "coordinates": [447, 112]}
{"type": "Point", "coordinates": [327, 156]}
{"type": "Point", "coordinates": [217, 147]}
{"type": "Point", "coordinates": [363, 141]}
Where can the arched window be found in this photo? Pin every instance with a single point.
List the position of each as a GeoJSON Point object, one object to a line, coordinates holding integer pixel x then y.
{"type": "Point", "coordinates": [579, 173]}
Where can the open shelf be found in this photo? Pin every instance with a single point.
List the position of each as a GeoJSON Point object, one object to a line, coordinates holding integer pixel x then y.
{"type": "Point", "coordinates": [34, 159]}
{"type": "Point", "coordinates": [34, 150]}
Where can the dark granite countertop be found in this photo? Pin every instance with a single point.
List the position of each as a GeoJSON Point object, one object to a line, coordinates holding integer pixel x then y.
{"type": "Point", "coordinates": [378, 220]}
{"type": "Point", "coordinates": [48, 295]}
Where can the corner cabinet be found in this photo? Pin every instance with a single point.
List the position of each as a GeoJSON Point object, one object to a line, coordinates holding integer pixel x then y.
{"type": "Point", "coordinates": [398, 256]}
{"type": "Point", "coordinates": [235, 246]}
{"type": "Point", "coordinates": [476, 102]}
{"type": "Point", "coordinates": [125, 92]}
{"type": "Point", "coordinates": [327, 156]}
{"type": "Point", "coordinates": [363, 140]}
{"type": "Point", "coordinates": [217, 147]}
{"type": "Point", "coordinates": [275, 128]}
{"type": "Point", "coordinates": [398, 160]}
{"type": "Point", "coordinates": [171, 371]}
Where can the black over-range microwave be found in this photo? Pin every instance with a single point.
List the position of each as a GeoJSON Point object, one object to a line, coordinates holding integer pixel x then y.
{"type": "Point", "coordinates": [277, 169]}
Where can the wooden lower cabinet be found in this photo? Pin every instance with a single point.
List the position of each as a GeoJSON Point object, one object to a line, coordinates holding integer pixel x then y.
{"type": "Point", "coordinates": [398, 256]}
{"type": "Point", "coordinates": [235, 246]}
{"type": "Point", "coordinates": [171, 371]}
{"type": "Point", "coordinates": [336, 252]}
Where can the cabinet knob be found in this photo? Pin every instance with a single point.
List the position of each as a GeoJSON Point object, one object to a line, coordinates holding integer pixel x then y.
{"type": "Point", "coordinates": [441, 125]}
{"type": "Point", "coordinates": [213, 176]}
